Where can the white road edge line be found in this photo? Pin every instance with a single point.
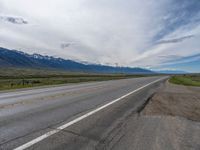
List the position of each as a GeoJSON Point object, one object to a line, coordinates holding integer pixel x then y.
{"type": "Point", "coordinates": [52, 132]}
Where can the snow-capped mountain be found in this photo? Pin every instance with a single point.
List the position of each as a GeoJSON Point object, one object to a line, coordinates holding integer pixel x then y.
{"type": "Point", "coordinates": [13, 58]}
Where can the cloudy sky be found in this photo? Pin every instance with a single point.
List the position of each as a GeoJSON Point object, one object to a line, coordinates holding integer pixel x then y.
{"type": "Point", "coordinates": [155, 34]}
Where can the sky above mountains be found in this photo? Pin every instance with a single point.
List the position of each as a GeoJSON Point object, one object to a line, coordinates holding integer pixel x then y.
{"type": "Point", "coordinates": [153, 34]}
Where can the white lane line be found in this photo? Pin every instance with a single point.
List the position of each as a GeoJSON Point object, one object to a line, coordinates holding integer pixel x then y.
{"type": "Point", "coordinates": [46, 135]}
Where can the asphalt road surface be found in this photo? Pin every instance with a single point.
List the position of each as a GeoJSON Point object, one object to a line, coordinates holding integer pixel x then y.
{"type": "Point", "coordinates": [76, 116]}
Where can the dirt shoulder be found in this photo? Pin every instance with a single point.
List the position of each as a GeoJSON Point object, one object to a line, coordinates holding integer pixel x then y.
{"type": "Point", "coordinates": [175, 100]}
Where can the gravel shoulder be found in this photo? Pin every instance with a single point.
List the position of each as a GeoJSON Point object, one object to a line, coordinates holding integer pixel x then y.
{"type": "Point", "coordinates": [169, 121]}
{"type": "Point", "coordinates": [175, 100]}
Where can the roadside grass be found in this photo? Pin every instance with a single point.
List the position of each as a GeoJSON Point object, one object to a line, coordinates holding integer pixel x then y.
{"type": "Point", "coordinates": [6, 84]}
{"type": "Point", "coordinates": [188, 80]}
{"type": "Point", "coordinates": [12, 78]}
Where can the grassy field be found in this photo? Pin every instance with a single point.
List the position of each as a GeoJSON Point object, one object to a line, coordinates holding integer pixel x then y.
{"type": "Point", "coordinates": [11, 78]}
{"type": "Point", "coordinates": [188, 80]}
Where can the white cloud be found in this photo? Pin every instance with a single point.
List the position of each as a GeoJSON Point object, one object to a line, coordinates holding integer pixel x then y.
{"type": "Point", "coordinates": [114, 31]}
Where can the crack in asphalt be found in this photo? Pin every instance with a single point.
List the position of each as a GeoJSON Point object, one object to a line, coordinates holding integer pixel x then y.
{"type": "Point", "coordinates": [25, 135]}
{"type": "Point", "coordinates": [76, 134]}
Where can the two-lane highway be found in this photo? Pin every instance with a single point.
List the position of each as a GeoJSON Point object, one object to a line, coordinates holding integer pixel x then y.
{"type": "Point", "coordinates": [31, 118]}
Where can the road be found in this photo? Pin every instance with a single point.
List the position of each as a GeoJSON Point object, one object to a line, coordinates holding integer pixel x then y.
{"type": "Point", "coordinates": [79, 116]}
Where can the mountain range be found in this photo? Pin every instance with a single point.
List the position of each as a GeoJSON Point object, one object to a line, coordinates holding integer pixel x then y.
{"type": "Point", "coordinates": [18, 59]}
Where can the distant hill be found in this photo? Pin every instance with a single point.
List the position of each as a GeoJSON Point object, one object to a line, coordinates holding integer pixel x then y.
{"type": "Point", "coordinates": [14, 58]}
{"type": "Point", "coordinates": [172, 72]}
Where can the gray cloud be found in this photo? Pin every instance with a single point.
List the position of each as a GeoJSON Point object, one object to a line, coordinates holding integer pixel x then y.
{"type": "Point", "coordinates": [13, 20]}
{"type": "Point", "coordinates": [176, 40]}
{"type": "Point", "coordinates": [183, 59]}
{"type": "Point", "coordinates": [67, 44]}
